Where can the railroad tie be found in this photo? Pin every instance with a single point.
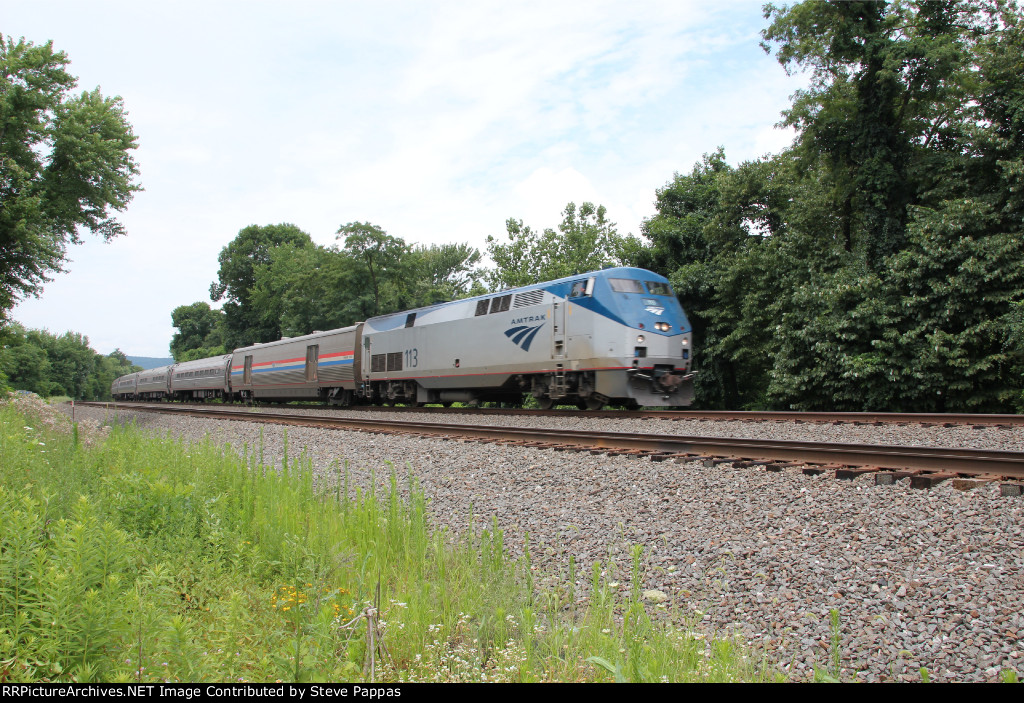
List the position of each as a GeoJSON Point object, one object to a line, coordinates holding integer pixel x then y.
{"type": "Point", "coordinates": [969, 484]}
{"type": "Point", "coordinates": [776, 466]}
{"type": "Point", "coordinates": [888, 478]}
{"type": "Point", "coordinates": [932, 478]}
{"type": "Point", "coordinates": [851, 472]}
{"type": "Point", "coordinates": [1011, 488]}
{"type": "Point", "coordinates": [747, 463]}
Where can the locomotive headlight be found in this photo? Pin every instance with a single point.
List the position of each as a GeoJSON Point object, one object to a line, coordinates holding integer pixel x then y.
{"type": "Point", "coordinates": [686, 342]}
{"type": "Point", "coordinates": [662, 326]}
{"type": "Point", "coordinates": [640, 339]}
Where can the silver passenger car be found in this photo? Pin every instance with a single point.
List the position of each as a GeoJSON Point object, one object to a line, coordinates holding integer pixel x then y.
{"type": "Point", "coordinates": [318, 366]}
{"type": "Point", "coordinates": [154, 384]}
{"type": "Point", "coordinates": [123, 388]}
{"type": "Point", "coordinates": [202, 378]}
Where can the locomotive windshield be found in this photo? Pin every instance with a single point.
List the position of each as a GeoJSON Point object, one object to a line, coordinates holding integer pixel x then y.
{"type": "Point", "coordinates": [630, 285]}
{"type": "Point", "coordinates": [657, 288]}
{"type": "Point", "coordinates": [626, 285]}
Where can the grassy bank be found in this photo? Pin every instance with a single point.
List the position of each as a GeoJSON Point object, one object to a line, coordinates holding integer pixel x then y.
{"type": "Point", "coordinates": [125, 557]}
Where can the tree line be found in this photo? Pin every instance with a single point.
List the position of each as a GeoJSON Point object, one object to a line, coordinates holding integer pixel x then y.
{"type": "Point", "coordinates": [274, 281]}
{"type": "Point", "coordinates": [58, 365]}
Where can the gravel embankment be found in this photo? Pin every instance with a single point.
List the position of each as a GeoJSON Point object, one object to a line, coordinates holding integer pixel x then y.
{"type": "Point", "coordinates": [931, 579]}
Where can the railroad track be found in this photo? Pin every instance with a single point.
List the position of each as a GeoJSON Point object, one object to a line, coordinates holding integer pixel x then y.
{"type": "Point", "coordinates": [926, 466]}
{"type": "Point", "coordinates": [838, 418]}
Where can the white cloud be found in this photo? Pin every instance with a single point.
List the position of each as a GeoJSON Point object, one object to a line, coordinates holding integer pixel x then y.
{"type": "Point", "coordinates": [544, 193]}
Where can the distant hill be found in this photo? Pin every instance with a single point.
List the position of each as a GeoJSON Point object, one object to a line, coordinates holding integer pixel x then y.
{"type": "Point", "coordinates": [150, 362]}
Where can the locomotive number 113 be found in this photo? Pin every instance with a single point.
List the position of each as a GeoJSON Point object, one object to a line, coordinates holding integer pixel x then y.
{"type": "Point", "coordinates": [411, 358]}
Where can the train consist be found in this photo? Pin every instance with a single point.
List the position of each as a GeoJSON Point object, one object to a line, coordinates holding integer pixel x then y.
{"type": "Point", "coordinates": [617, 336]}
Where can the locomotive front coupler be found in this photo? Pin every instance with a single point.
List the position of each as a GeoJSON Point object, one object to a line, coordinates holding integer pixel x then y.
{"type": "Point", "coordinates": [663, 378]}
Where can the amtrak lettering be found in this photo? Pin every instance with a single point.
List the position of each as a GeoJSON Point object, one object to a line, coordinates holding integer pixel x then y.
{"type": "Point", "coordinates": [529, 318]}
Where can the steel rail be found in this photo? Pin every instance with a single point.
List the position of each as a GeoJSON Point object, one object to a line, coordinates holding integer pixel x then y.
{"type": "Point", "coordinates": [856, 418]}
{"type": "Point", "coordinates": [971, 462]}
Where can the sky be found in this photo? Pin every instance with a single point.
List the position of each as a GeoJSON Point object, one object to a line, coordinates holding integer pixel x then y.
{"type": "Point", "coordinates": [437, 121]}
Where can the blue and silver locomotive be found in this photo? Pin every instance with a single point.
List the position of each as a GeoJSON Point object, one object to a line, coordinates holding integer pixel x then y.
{"type": "Point", "coordinates": [614, 336]}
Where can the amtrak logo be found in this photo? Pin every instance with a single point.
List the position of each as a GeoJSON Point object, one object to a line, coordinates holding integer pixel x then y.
{"type": "Point", "coordinates": [523, 335]}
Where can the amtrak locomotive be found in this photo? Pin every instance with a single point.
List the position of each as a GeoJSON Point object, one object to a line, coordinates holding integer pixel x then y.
{"type": "Point", "coordinates": [617, 336]}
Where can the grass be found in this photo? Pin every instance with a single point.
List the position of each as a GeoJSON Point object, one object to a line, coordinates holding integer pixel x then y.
{"type": "Point", "coordinates": [131, 558]}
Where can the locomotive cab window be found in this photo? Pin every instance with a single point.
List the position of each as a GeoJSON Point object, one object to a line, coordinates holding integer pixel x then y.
{"type": "Point", "coordinates": [626, 285]}
{"type": "Point", "coordinates": [582, 289]}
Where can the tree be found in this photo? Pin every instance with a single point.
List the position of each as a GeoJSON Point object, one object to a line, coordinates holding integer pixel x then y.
{"type": "Point", "coordinates": [65, 163]}
{"type": "Point", "coordinates": [109, 367]}
{"type": "Point", "coordinates": [442, 272]}
{"type": "Point", "coordinates": [313, 288]}
{"type": "Point", "coordinates": [246, 323]}
{"type": "Point", "coordinates": [200, 330]}
{"type": "Point", "coordinates": [911, 131]}
{"type": "Point", "coordinates": [24, 365]}
{"type": "Point", "coordinates": [889, 80]}
{"type": "Point", "coordinates": [585, 241]}
{"type": "Point", "coordinates": [381, 254]}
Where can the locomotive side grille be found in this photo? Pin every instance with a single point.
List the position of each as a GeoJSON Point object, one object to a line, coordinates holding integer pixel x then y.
{"type": "Point", "coordinates": [378, 363]}
{"type": "Point", "coordinates": [481, 307]}
{"type": "Point", "coordinates": [395, 361]}
{"type": "Point", "coordinates": [530, 297]}
{"type": "Point", "coordinates": [501, 303]}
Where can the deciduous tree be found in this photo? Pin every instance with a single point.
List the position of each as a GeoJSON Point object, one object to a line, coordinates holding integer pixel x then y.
{"type": "Point", "coordinates": [200, 331]}
{"type": "Point", "coordinates": [247, 323]}
{"type": "Point", "coordinates": [65, 163]}
{"type": "Point", "coordinates": [585, 241]}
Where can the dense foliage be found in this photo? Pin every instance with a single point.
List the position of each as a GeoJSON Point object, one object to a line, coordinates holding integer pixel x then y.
{"type": "Point", "coordinates": [65, 162]}
{"type": "Point", "coordinates": [878, 263]}
{"type": "Point", "coordinates": [200, 332]}
{"type": "Point", "coordinates": [245, 321]}
{"type": "Point", "coordinates": [64, 365]}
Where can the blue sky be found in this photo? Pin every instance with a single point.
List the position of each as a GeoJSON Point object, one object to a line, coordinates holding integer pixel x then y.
{"type": "Point", "coordinates": [436, 121]}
